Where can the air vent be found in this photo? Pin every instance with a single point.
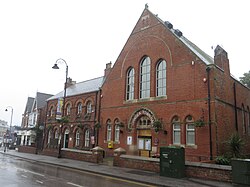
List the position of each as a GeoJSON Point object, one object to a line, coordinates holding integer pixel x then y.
{"type": "Point", "coordinates": [168, 24]}
{"type": "Point", "coordinates": [178, 32]}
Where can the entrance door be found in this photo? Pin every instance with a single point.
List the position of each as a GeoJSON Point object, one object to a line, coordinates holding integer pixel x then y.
{"type": "Point", "coordinates": [144, 142]}
{"type": "Point", "coordinates": [66, 139]}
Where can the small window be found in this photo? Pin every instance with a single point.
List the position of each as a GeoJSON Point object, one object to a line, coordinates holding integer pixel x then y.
{"type": "Point", "coordinates": [49, 136]}
{"type": "Point", "coordinates": [243, 119]}
{"type": "Point", "coordinates": [109, 131]}
{"type": "Point", "coordinates": [117, 130]}
{"type": "Point", "coordinates": [51, 111]}
{"type": "Point", "coordinates": [87, 138]}
{"type": "Point", "coordinates": [77, 138]}
{"type": "Point", "coordinates": [56, 134]}
{"type": "Point", "coordinates": [79, 108]}
{"type": "Point", "coordinates": [248, 114]}
{"type": "Point", "coordinates": [89, 108]}
{"type": "Point", "coordinates": [68, 109]}
{"type": "Point", "coordinates": [190, 131]}
{"type": "Point", "coordinates": [176, 130]}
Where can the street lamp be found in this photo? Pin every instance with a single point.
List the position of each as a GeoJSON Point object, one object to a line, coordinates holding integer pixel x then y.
{"type": "Point", "coordinates": [60, 60]}
{"type": "Point", "coordinates": [10, 125]}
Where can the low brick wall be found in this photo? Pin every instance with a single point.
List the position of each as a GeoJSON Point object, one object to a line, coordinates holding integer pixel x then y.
{"type": "Point", "coordinates": [27, 149]}
{"type": "Point", "coordinates": [87, 156]}
{"type": "Point", "coordinates": [50, 152]}
{"type": "Point", "coordinates": [209, 171]}
{"type": "Point", "coordinates": [192, 169]}
{"type": "Point", "coordinates": [137, 162]}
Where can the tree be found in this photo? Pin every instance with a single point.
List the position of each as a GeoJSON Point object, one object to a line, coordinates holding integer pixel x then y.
{"type": "Point", "coordinates": [246, 79]}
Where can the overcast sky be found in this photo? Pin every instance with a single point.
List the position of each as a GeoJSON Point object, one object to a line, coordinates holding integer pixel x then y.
{"type": "Point", "coordinates": [89, 34]}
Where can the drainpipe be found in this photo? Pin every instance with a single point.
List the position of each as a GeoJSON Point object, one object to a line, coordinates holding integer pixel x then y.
{"type": "Point", "coordinates": [235, 108]}
{"type": "Point", "coordinates": [99, 114]}
{"type": "Point", "coordinates": [209, 113]}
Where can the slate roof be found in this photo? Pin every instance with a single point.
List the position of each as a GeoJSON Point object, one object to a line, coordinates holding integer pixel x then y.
{"type": "Point", "coordinates": [29, 105]}
{"type": "Point", "coordinates": [81, 87]}
{"type": "Point", "coordinates": [41, 99]}
{"type": "Point", "coordinates": [196, 50]}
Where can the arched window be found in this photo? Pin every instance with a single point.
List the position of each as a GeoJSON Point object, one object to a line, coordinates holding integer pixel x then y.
{"type": "Point", "coordinates": [145, 78]}
{"type": "Point", "coordinates": [49, 136]}
{"type": "Point", "coordinates": [161, 80]}
{"type": "Point", "coordinates": [79, 108]}
{"type": "Point", "coordinates": [248, 114]}
{"type": "Point", "coordinates": [56, 134]}
{"type": "Point", "coordinates": [144, 122]}
{"type": "Point", "coordinates": [117, 130]}
{"type": "Point", "coordinates": [68, 107]}
{"type": "Point", "coordinates": [109, 131]}
{"type": "Point", "coordinates": [89, 107]}
{"type": "Point", "coordinates": [190, 131]}
{"type": "Point", "coordinates": [243, 119]}
{"type": "Point", "coordinates": [176, 130]}
{"type": "Point", "coordinates": [87, 138]}
{"type": "Point", "coordinates": [130, 84]}
{"type": "Point", "coordinates": [51, 111]}
{"type": "Point", "coordinates": [77, 138]}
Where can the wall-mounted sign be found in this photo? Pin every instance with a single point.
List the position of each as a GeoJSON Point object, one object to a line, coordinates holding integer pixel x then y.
{"type": "Point", "coordinates": [129, 140]}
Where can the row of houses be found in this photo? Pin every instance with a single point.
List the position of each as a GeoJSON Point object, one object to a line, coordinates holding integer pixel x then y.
{"type": "Point", "coordinates": [162, 90]}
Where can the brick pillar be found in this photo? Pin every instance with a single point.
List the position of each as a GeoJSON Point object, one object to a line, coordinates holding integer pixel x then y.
{"type": "Point", "coordinates": [117, 153]}
{"type": "Point", "coordinates": [98, 153]}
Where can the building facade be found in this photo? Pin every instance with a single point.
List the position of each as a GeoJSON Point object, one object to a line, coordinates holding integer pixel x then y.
{"type": "Point", "coordinates": [75, 129]}
{"type": "Point", "coordinates": [163, 90]}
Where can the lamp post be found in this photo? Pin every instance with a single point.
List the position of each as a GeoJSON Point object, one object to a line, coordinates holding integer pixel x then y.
{"type": "Point", "coordinates": [10, 125]}
{"type": "Point", "coordinates": [60, 60]}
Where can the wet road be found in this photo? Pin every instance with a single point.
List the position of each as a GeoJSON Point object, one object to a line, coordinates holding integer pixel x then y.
{"type": "Point", "coordinates": [16, 172]}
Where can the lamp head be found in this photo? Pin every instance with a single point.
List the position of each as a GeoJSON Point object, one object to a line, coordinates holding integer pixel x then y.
{"type": "Point", "coordinates": [6, 109]}
{"type": "Point", "coordinates": [55, 66]}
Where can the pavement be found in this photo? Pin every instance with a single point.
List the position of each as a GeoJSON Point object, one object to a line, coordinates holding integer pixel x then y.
{"type": "Point", "coordinates": [151, 178]}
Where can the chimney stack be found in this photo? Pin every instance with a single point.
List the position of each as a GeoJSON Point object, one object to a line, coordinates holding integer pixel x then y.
{"type": "Point", "coordinates": [70, 82]}
{"type": "Point", "coordinates": [108, 69]}
{"type": "Point", "coordinates": [221, 59]}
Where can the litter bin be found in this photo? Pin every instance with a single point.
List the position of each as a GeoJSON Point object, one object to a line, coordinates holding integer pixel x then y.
{"type": "Point", "coordinates": [172, 162]}
{"type": "Point", "coordinates": [241, 171]}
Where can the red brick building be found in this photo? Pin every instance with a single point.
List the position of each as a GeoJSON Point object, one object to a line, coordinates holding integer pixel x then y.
{"type": "Point", "coordinates": [163, 90]}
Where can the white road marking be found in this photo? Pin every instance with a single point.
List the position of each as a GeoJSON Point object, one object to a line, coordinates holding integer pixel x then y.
{"type": "Point", "coordinates": [73, 184]}
{"type": "Point", "coordinates": [32, 172]}
{"type": "Point", "coordinates": [40, 182]}
{"type": "Point", "coordinates": [24, 176]}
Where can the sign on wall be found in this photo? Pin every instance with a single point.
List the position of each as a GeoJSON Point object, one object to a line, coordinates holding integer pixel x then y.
{"type": "Point", "coordinates": [129, 140]}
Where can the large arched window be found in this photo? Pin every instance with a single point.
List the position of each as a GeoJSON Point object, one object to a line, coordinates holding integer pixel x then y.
{"type": "Point", "coordinates": [77, 143]}
{"type": "Point", "coordinates": [161, 80]}
{"type": "Point", "coordinates": [79, 108]}
{"type": "Point", "coordinates": [109, 130]}
{"type": "Point", "coordinates": [145, 78]}
{"type": "Point", "coordinates": [87, 138]}
{"type": "Point", "coordinates": [176, 130]}
{"type": "Point", "coordinates": [130, 84]}
{"type": "Point", "coordinates": [190, 131]}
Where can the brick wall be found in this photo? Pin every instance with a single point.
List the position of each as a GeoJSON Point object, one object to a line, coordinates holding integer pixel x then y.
{"type": "Point", "coordinates": [192, 169]}
{"type": "Point", "coordinates": [27, 149]}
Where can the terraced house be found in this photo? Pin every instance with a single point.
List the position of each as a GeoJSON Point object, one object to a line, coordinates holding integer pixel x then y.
{"type": "Point", "coordinates": [162, 90]}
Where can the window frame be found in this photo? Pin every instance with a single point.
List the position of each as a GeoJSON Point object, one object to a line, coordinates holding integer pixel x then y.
{"type": "Point", "coordinates": [176, 121]}
{"type": "Point", "coordinates": [161, 78]}
{"type": "Point", "coordinates": [87, 138]}
{"type": "Point", "coordinates": [130, 84]}
{"type": "Point", "coordinates": [77, 142]}
{"type": "Point", "coordinates": [144, 83]}
{"type": "Point", "coordinates": [68, 109]}
{"type": "Point", "coordinates": [79, 108]}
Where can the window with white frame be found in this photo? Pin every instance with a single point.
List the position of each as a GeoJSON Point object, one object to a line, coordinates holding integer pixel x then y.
{"type": "Point", "coordinates": [117, 133]}
{"type": "Point", "coordinates": [87, 138]}
{"type": "Point", "coordinates": [161, 78]}
{"type": "Point", "coordinates": [89, 107]}
{"type": "Point", "coordinates": [176, 130]}
{"type": "Point", "coordinates": [190, 131]}
{"type": "Point", "coordinates": [77, 138]}
{"type": "Point", "coordinates": [130, 84]}
{"type": "Point", "coordinates": [51, 111]}
{"type": "Point", "coordinates": [49, 136]}
{"type": "Point", "coordinates": [109, 131]}
{"type": "Point", "coordinates": [243, 119]}
{"type": "Point", "coordinates": [79, 108]}
{"type": "Point", "coordinates": [145, 78]}
{"type": "Point", "coordinates": [68, 109]}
